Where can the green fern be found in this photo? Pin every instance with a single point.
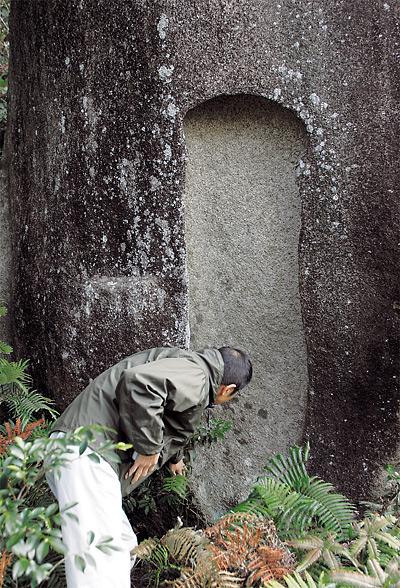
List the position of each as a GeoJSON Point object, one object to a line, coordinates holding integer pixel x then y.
{"type": "Point", "coordinates": [322, 549]}
{"type": "Point", "coordinates": [375, 575]}
{"type": "Point", "coordinates": [177, 485]}
{"type": "Point", "coordinates": [14, 372]}
{"type": "Point", "coordinates": [5, 348]}
{"type": "Point", "coordinates": [25, 403]}
{"type": "Point", "coordinates": [377, 535]}
{"type": "Point", "coordinates": [296, 502]}
{"type": "Point", "coordinates": [295, 580]}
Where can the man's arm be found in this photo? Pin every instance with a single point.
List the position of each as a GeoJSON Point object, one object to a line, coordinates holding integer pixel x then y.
{"type": "Point", "coordinates": [141, 397]}
{"type": "Point", "coordinates": [142, 394]}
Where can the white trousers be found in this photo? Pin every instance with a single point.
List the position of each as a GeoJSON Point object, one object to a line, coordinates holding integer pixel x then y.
{"type": "Point", "coordinates": [96, 489]}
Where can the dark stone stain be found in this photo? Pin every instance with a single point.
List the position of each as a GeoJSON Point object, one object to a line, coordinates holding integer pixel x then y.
{"type": "Point", "coordinates": [263, 413]}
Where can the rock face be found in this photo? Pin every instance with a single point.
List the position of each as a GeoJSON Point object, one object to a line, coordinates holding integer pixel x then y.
{"type": "Point", "coordinates": [242, 224]}
{"type": "Point", "coordinates": [5, 254]}
{"type": "Point", "coordinates": [99, 92]}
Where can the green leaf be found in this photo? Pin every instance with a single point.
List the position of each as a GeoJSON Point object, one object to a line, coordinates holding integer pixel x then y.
{"type": "Point", "coordinates": [42, 550]}
{"type": "Point", "coordinates": [5, 348]}
{"type": "Point", "coordinates": [20, 567]}
{"type": "Point", "coordinates": [90, 537]}
{"type": "Point", "coordinates": [83, 446]}
{"type": "Point", "coordinates": [17, 452]}
{"type": "Point", "coordinates": [94, 457]}
{"type": "Point", "coordinates": [51, 509]}
{"type": "Point", "coordinates": [80, 563]}
{"type": "Point", "coordinates": [42, 572]}
{"type": "Point", "coordinates": [57, 545]}
{"type": "Point", "coordinates": [111, 456]}
{"type": "Point", "coordinates": [123, 446]}
{"type": "Point", "coordinates": [14, 538]}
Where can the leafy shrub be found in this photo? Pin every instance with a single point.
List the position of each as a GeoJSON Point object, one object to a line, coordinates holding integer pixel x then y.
{"type": "Point", "coordinates": [30, 532]}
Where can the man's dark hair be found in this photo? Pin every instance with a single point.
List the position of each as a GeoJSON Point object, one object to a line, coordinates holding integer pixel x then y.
{"type": "Point", "coordinates": [237, 367]}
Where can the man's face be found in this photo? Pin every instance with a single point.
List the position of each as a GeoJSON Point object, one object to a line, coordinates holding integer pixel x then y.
{"type": "Point", "coordinates": [225, 393]}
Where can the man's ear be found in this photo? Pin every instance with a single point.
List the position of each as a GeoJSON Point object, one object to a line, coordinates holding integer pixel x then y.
{"type": "Point", "coordinates": [227, 391]}
{"type": "Point", "coordinates": [230, 389]}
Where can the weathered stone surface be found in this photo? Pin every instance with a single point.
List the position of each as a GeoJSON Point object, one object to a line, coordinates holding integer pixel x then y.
{"type": "Point", "coordinates": [5, 254]}
{"type": "Point", "coordinates": [99, 90]}
{"type": "Point", "coordinates": [242, 225]}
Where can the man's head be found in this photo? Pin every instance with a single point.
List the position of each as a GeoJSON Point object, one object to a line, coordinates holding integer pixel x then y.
{"type": "Point", "coordinates": [237, 373]}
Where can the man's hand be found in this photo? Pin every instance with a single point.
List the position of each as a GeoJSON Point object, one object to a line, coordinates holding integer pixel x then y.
{"type": "Point", "coordinates": [177, 468]}
{"type": "Point", "coordinates": [142, 466]}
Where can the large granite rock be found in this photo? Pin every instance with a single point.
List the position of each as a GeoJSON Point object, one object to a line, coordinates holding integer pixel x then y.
{"type": "Point", "coordinates": [5, 254]}
{"type": "Point", "coordinates": [99, 91]}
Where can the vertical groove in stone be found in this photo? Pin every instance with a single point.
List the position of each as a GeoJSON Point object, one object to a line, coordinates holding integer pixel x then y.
{"type": "Point", "coordinates": [242, 219]}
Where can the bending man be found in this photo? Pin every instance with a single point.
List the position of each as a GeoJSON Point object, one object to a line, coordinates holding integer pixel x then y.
{"type": "Point", "coordinates": [154, 400]}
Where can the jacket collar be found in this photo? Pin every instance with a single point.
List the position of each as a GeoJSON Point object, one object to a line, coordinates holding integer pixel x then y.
{"type": "Point", "coordinates": [215, 366]}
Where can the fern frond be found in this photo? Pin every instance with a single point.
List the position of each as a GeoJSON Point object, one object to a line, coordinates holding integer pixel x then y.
{"type": "Point", "coordinates": [14, 372]}
{"type": "Point", "coordinates": [291, 469]}
{"type": "Point", "coordinates": [298, 502]}
{"type": "Point", "coordinates": [25, 403]}
{"type": "Point", "coordinates": [334, 512]}
{"type": "Point", "coordinates": [16, 430]}
{"type": "Point", "coordinates": [253, 506]}
{"type": "Point", "coordinates": [5, 348]}
{"type": "Point", "coordinates": [177, 485]}
{"type": "Point", "coordinates": [351, 578]}
{"type": "Point", "coordinates": [184, 545]}
{"type": "Point", "coordinates": [295, 580]}
{"type": "Point", "coordinates": [145, 548]}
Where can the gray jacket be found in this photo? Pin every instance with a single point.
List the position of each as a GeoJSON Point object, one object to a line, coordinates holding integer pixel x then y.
{"type": "Point", "coordinates": [153, 399]}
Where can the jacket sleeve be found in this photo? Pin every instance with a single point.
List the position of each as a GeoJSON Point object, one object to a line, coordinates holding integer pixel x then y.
{"type": "Point", "coordinates": [144, 392]}
{"type": "Point", "coordinates": [184, 426]}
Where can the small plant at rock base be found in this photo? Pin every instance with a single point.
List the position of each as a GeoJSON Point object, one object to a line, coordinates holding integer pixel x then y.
{"type": "Point", "coordinates": [143, 498]}
{"type": "Point", "coordinates": [16, 397]}
{"type": "Point", "coordinates": [214, 430]}
{"type": "Point", "coordinates": [177, 485]}
{"type": "Point", "coordinates": [249, 546]}
{"type": "Point", "coordinates": [297, 502]}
